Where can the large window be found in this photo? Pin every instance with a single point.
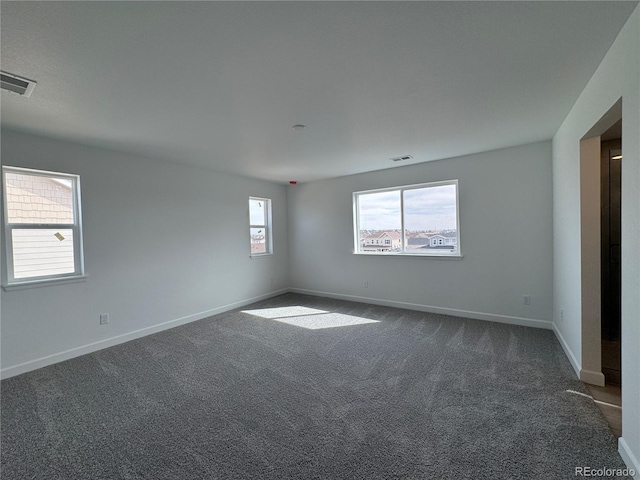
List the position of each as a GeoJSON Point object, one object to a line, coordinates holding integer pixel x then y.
{"type": "Point", "coordinates": [409, 220]}
{"type": "Point", "coordinates": [43, 228]}
{"type": "Point", "coordinates": [260, 226]}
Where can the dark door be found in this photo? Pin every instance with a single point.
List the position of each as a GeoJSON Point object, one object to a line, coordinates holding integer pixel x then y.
{"type": "Point", "coordinates": [611, 163]}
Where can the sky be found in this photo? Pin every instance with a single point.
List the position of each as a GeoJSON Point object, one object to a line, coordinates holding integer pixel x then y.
{"type": "Point", "coordinates": [430, 208]}
{"type": "Point", "coordinates": [256, 212]}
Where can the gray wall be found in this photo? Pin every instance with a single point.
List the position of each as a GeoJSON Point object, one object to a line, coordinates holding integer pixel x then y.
{"type": "Point", "coordinates": [617, 77]}
{"type": "Point", "coordinates": [163, 243]}
{"type": "Point", "coordinates": [505, 228]}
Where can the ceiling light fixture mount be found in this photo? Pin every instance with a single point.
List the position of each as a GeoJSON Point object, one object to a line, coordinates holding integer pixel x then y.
{"type": "Point", "coordinates": [299, 127]}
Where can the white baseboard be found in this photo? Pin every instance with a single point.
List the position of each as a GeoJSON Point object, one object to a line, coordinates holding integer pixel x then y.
{"type": "Point", "coordinates": [629, 458]}
{"type": "Point", "coordinates": [592, 377]}
{"type": "Point", "coordinates": [126, 337]}
{"type": "Point", "coordinates": [492, 317]}
{"type": "Point", "coordinates": [568, 352]}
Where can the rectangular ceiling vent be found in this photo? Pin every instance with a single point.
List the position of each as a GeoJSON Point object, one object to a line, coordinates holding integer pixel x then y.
{"type": "Point", "coordinates": [16, 84]}
{"type": "Point", "coordinates": [402, 158]}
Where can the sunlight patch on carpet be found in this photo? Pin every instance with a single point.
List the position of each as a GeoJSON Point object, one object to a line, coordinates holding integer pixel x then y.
{"type": "Point", "coordinates": [281, 312]}
{"type": "Point", "coordinates": [309, 318]}
{"type": "Point", "coordinates": [579, 393]}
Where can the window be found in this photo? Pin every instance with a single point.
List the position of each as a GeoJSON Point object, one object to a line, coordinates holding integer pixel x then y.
{"type": "Point", "coordinates": [43, 227]}
{"type": "Point", "coordinates": [413, 220]}
{"type": "Point", "coordinates": [260, 226]}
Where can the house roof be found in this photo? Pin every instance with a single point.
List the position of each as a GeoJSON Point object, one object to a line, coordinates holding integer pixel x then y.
{"type": "Point", "coordinates": [417, 241]}
{"type": "Point", "coordinates": [382, 234]}
{"type": "Point", "coordinates": [444, 234]}
{"type": "Point", "coordinates": [220, 84]}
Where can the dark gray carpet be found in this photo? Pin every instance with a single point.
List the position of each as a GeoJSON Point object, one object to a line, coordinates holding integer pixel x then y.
{"type": "Point", "coordinates": [237, 396]}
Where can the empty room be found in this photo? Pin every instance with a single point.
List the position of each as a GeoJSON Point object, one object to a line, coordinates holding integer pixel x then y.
{"type": "Point", "coordinates": [320, 239]}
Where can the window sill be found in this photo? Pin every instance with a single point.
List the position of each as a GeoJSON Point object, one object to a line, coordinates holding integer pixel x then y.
{"type": "Point", "coordinates": [258, 255]}
{"type": "Point", "coordinates": [457, 256]}
{"type": "Point", "coordinates": [43, 283]}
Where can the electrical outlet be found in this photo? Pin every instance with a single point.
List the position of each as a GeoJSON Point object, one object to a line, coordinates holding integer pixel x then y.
{"type": "Point", "coordinates": [104, 318]}
{"type": "Point", "coordinates": [561, 315]}
{"type": "Point", "coordinates": [526, 299]}
{"type": "Point", "coordinates": [365, 284]}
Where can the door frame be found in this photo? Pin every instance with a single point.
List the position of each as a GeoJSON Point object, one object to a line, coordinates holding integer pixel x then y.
{"type": "Point", "coordinates": [590, 243]}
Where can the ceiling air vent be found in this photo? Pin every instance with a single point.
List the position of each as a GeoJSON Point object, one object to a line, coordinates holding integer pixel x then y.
{"type": "Point", "coordinates": [16, 84]}
{"type": "Point", "coordinates": [402, 158]}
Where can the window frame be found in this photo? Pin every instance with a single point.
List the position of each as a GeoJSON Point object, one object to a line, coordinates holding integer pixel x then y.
{"type": "Point", "coordinates": [401, 189]}
{"type": "Point", "coordinates": [76, 227]}
{"type": "Point", "coordinates": [268, 233]}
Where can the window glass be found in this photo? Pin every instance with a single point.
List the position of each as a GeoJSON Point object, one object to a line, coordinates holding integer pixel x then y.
{"type": "Point", "coordinates": [38, 199]}
{"type": "Point", "coordinates": [41, 252]}
{"type": "Point", "coordinates": [257, 211]}
{"type": "Point", "coordinates": [379, 211]}
{"type": "Point", "coordinates": [413, 219]}
{"type": "Point", "coordinates": [42, 225]}
{"type": "Point", "coordinates": [260, 226]}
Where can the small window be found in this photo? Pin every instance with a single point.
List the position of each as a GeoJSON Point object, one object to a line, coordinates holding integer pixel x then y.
{"type": "Point", "coordinates": [260, 226]}
{"type": "Point", "coordinates": [43, 227]}
{"type": "Point", "coordinates": [419, 219]}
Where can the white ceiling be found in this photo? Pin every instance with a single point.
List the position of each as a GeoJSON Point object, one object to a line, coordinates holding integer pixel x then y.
{"type": "Point", "coordinates": [220, 84]}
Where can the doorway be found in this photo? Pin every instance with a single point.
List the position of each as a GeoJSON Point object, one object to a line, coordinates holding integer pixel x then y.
{"type": "Point", "coordinates": [600, 208]}
{"type": "Point", "coordinates": [611, 277]}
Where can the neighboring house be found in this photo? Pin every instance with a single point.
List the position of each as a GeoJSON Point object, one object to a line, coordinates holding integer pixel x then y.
{"type": "Point", "coordinates": [447, 239]}
{"type": "Point", "coordinates": [417, 240]}
{"type": "Point", "coordinates": [443, 239]}
{"type": "Point", "coordinates": [390, 240]}
{"type": "Point", "coordinates": [40, 200]}
{"type": "Point", "coordinates": [258, 244]}
{"type": "Point", "coordinates": [383, 241]}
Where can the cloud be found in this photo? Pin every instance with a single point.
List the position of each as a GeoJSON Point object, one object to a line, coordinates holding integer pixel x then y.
{"type": "Point", "coordinates": [429, 208]}
{"type": "Point", "coordinates": [379, 211]}
{"type": "Point", "coordinates": [432, 208]}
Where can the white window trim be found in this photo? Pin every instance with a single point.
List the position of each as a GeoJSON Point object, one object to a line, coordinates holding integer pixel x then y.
{"type": "Point", "coordinates": [43, 283]}
{"type": "Point", "coordinates": [10, 283]}
{"type": "Point", "coordinates": [356, 222]}
{"type": "Point", "coordinates": [268, 234]}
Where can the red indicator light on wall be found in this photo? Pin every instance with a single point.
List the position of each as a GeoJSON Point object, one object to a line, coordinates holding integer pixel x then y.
{"type": "Point", "coordinates": [293, 182]}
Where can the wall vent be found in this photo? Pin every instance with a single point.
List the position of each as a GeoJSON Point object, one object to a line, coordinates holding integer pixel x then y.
{"type": "Point", "coordinates": [16, 84]}
{"type": "Point", "coordinates": [402, 158]}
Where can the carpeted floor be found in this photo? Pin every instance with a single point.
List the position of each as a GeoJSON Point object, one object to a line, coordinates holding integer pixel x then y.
{"type": "Point", "coordinates": [310, 395]}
